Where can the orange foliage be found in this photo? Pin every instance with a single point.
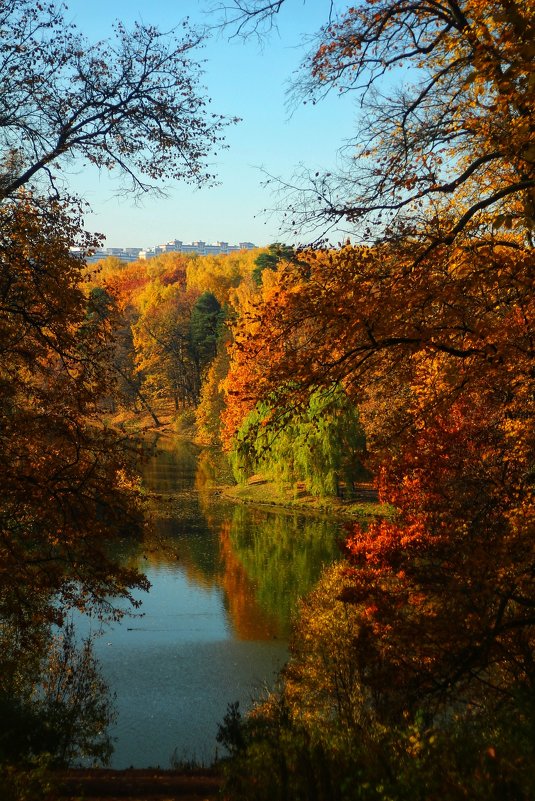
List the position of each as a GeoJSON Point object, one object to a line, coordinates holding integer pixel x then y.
{"type": "Point", "coordinates": [220, 274]}
{"type": "Point", "coordinates": [67, 490]}
{"type": "Point", "coordinates": [439, 358]}
{"type": "Point", "coordinates": [452, 144]}
{"type": "Point", "coordinates": [126, 282]}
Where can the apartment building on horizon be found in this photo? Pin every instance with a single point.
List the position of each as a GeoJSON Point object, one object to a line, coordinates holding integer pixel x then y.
{"type": "Point", "coordinates": [173, 246]}
{"type": "Point", "coordinates": [197, 246]}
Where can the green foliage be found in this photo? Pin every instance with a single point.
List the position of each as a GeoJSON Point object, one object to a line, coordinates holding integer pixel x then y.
{"type": "Point", "coordinates": [205, 326]}
{"type": "Point", "coordinates": [268, 555]}
{"type": "Point", "coordinates": [270, 260]}
{"type": "Point", "coordinates": [321, 446]}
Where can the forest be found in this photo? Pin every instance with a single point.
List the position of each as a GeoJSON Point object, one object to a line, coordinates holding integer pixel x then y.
{"type": "Point", "coordinates": [402, 356]}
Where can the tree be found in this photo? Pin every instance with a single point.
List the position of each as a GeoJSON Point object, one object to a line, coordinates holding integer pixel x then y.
{"type": "Point", "coordinates": [429, 328]}
{"type": "Point", "coordinates": [66, 478]}
{"type": "Point", "coordinates": [445, 148]}
{"type": "Point", "coordinates": [165, 356]}
{"type": "Point", "coordinates": [131, 104]}
{"type": "Point", "coordinates": [220, 274]}
{"type": "Point", "coordinates": [75, 702]}
{"type": "Point", "coordinates": [122, 356]}
{"type": "Point", "coordinates": [65, 713]}
{"type": "Point", "coordinates": [317, 737]}
{"type": "Point", "coordinates": [320, 446]}
{"type": "Point", "coordinates": [438, 361]}
{"type": "Point", "coordinates": [211, 398]}
{"type": "Point", "coordinates": [270, 259]}
{"type": "Point", "coordinates": [205, 327]}
{"type": "Point", "coordinates": [55, 709]}
{"type": "Point", "coordinates": [69, 486]}
{"type": "Point", "coordinates": [169, 268]}
{"type": "Point", "coordinates": [255, 15]}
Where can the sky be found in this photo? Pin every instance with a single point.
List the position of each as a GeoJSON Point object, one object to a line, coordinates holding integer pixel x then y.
{"type": "Point", "coordinates": [247, 79]}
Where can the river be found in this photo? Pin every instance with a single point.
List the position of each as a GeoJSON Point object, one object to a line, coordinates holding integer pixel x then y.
{"type": "Point", "coordinates": [213, 629]}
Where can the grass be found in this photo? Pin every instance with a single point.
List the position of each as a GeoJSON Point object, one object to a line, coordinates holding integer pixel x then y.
{"type": "Point", "coordinates": [259, 491]}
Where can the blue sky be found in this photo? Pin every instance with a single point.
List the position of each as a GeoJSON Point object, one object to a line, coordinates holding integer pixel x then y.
{"type": "Point", "coordinates": [244, 79]}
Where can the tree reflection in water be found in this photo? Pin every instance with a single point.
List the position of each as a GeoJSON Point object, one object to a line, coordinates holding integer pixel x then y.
{"type": "Point", "coordinates": [264, 560]}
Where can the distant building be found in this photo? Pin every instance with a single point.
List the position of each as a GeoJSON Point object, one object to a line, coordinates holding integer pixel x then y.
{"type": "Point", "coordinates": [173, 246]}
{"type": "Point", "coordinates": [197, 246]}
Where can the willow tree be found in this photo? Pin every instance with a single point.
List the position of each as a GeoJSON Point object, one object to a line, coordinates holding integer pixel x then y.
{"type": "Point", "coordinates": [320, 445]}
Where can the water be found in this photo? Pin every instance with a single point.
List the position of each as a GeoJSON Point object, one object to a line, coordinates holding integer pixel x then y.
{"type": "Point", "coordinates": [213, 629]}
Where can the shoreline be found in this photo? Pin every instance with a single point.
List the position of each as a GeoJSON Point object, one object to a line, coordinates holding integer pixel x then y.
{"type": "Point", "coordinates": [137, 784]}
{"type": "Point", "coordinates": [258, 491]}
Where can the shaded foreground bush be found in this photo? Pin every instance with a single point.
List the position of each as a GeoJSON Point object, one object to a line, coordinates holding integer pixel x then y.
{"type": "Point", "coordinates": [472, 756]}
{"type": "Point", "coordinates": [322, 736]}
{"type": "Point", "coordinates": [55, 710]}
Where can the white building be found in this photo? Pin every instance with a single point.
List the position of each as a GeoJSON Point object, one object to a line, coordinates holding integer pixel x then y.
{"type": "Point", "coordinates": [198, 246]}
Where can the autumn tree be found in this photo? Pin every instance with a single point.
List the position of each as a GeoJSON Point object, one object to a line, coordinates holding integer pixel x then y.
{"type": "Point", "coordinates": [429, 329]}
{"type": "Point", "coordinates": [317, 737]}
{"type": "Point", "coordinates": [65, 476]}
{"type": "Point", "coordinates": [173, 280]}
{"type": "Point", "coordinates": [449, 427]}
{"type": "Point", "coordinates": [131, 104]}
{"type": "Point", "coordinates": [445, 140]}
{"type": "Point", "coordinates": [438, 357]}
{"type": "Point", "coordinates": [69, 488]}
{"type": "Point", "coordinates": [212, 398]}
{"type": "Point", "coordinates": [163, 344]}
{"type": "Point", "coordinates": [123, 285]}
{"type": "Point", "coordinates": [169, 268]}
{"type": "Point", "coordinates": [124, 282]}
{"type": "Point", "coordinates": [220, 274]}
{"type": "Point", "coordinates": [68, 492]}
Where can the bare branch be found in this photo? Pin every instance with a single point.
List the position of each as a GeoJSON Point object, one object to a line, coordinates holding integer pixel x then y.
{"type": "Point", "coordinates": [133, 103]}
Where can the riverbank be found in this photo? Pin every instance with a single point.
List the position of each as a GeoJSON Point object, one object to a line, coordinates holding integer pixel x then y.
{"type": "Point", "coordinates": [362, 503]}
{"type": "Point", "coordinates": [141, 423]}
{"type": "Point", "coordinates": [101, 784]}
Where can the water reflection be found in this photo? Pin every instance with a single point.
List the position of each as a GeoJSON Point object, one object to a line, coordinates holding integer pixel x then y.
{"type": "Point", "coordinates": [225, 580]}
{"type": "Point", "coordinates": [265, 560]}
{"type": "Point", "coordinates": [282, 555]}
